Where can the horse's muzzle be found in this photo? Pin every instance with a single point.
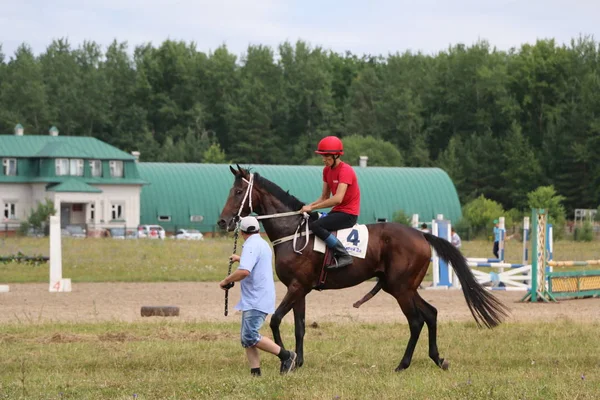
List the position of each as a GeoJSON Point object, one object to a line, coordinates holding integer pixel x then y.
{"type": "Point", "coordinates": [222, 224]}
{"type": "Point", "coordinates": [227, 225]}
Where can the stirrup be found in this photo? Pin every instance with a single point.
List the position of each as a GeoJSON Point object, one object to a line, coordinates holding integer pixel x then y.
{"type": "Point", "coordinates": [337, 264]}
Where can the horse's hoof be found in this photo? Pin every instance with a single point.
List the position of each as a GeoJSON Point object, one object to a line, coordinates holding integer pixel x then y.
{"type": "Point", "coordinates": [444, 364]}
{"type": "Point", "coordinates": [400, 368]}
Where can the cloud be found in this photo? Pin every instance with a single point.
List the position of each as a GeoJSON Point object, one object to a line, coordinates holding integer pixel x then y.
{"type": "Point", "coordinates": [382, 27]}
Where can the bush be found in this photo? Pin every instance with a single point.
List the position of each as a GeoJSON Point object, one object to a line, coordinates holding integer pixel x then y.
{"type": "Point", "coordinates": [40, 217]}
{"type": "Point", "coordinates": [481, 213]}
{"type": "Point", "coordinates": [402, 218]}
{"type": "Point", "coordinates": [463, 228]}
{"type": "Point", "coordinates": [24, 228]}
{"type": "Point", "coordinates": [584, 233]}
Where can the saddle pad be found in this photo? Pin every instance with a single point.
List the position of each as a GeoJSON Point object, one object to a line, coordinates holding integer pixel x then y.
{"type": "Point", "coordinates": [355, 240]}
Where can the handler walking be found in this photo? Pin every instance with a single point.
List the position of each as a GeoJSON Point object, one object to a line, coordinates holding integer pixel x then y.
{"type": "Point", "coordinates": [258, 296]}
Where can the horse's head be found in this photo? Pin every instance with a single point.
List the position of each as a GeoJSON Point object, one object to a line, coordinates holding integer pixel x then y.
{"type": "Point", "coordinates": [241, 195]}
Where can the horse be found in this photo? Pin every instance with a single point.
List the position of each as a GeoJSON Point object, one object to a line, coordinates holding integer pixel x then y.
{"type": "Point", "coordinates": [397, 255]}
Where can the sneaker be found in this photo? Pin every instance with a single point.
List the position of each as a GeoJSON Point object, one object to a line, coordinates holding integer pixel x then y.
{"type": "Point", "coordinates": [289, 365]}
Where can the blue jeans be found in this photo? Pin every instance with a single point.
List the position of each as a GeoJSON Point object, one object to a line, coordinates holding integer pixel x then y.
{"type": "Point", "coordinates": [252, 321]}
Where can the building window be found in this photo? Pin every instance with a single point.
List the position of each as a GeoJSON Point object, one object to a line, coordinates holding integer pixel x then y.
{"type": "Point", "coordinates": [164, 218]}
{"type": "Point", "coordinates": [116, 169]}
{"type": "Point", "coordinates": [196, 218]}
{"type": "Point", "coordinates": [62, 166]}
{"type": "Point", "coordinates": [76, 167]}
{"type": "Point", "coordinates": [96, 168]}
{"type": "Point", "coordinates": [10, 211]}
{"type": "Point", "coordinates": [117, 211]}
{"type": "Point", "coordinates": [92, 211]}
{"type": "Point", "coordinates": [10, 166]}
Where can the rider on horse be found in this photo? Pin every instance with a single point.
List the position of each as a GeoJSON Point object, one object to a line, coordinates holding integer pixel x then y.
{"type": "Point", "coordinates": [340, 180]}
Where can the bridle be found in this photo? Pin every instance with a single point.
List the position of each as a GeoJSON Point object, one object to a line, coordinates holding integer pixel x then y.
{"type": "Point", "coordinates": [294, 237]}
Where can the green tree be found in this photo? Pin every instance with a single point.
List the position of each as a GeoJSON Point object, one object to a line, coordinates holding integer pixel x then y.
{"type": "Point", "coordinates": [62, 77]}
{"type": "Point", "coordinates": [222, 83]}
{"type": "Point", "coordinates": [253, 111]}
{"type": "Point", "coordinates": [380, 152]}
{"type": "Point", "coordinates": [214, 155]}
{"type": "Point", "coordinates": [547, 198]}
{"type": "Point", "coordinates": [522, 173]}
{"type": "Point", "coordinates": [22, 92]}
{"type": "Point", "coordinates": [306, 111]}
{"type": "Point", "coordinates": [362, 103]}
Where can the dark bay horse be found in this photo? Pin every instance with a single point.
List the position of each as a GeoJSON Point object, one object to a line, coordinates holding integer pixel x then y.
{"type": "Point", "coordinates": [397, 255]}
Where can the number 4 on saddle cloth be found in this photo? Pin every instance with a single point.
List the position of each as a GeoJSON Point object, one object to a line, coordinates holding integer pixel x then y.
{"type": "Point", "coordinates": [355, 240]}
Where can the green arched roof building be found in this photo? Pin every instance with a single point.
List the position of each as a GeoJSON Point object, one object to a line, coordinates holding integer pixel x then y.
{"type": "Point", "coordinates": [193, 195]}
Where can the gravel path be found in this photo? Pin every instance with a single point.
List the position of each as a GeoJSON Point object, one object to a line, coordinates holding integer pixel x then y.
{"type": "Point", "coordinates": [94, 302]}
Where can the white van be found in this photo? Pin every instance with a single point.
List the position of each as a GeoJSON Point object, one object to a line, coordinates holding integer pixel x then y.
{"type": "Point", "coordinates": [151, 232]}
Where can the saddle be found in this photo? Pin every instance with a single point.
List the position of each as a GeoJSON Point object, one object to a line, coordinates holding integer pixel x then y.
{"type": "Point", "coordinates": [354, 239]}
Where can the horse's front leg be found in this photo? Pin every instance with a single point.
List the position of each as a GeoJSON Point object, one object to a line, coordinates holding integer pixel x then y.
{"type": "Point", "coordinates": [294, 293]}
{"type": "Point", "coordinates": [300, 327]}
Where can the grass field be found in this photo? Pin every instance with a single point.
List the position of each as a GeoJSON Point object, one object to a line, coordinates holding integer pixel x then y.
{"type": "Point", "coordinates": [170, 359]}
{"type": "Point", "coordinates": [204, 361]}
{"type": "Point", "coordinates": [108, 260]}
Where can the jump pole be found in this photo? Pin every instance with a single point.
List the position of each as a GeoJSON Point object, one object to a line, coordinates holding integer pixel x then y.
{"type": "Point", "coordinates": [57, 282]}
{"type": "Point", "coordinates": [443, 274]}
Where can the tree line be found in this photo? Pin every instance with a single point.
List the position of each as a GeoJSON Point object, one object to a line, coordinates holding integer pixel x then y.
{"type": "Point", "coordinates": [501, 123]}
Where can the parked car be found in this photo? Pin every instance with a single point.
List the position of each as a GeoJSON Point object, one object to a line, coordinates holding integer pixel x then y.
{"type": "Point", "coordinates": [189, 234]}
{"type": "Point", "coordinates": [151, 232]}
{"type": "Point", "coordinates": [73, 231]}
{"type": "Point", "coordinates": [120, 233]}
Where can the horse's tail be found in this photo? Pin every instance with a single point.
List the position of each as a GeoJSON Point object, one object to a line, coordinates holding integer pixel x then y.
{"type": "Point", "coordinates": [484, 306]}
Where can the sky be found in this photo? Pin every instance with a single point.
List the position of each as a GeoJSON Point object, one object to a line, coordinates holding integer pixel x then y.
{"type": "Point", "coordinates": [377, 28]}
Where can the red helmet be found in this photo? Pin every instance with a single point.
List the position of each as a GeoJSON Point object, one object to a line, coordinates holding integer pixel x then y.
{"type": "Point", "coordinates": [330, 145]}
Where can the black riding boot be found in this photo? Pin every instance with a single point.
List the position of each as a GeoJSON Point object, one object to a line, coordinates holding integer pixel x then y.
{"type": "Point", "coordinates": [342, 258]}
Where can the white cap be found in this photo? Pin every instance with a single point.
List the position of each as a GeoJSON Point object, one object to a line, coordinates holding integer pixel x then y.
{"type": "Point", "coordinates": [249, 225]}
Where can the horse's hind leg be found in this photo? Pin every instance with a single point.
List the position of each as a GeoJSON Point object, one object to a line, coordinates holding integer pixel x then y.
{"type": "Point", "coordinates": [429, 313]}
{"type": "Point", "coordinates": [406, 300]}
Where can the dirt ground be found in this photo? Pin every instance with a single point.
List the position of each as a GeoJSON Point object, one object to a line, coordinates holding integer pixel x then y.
{"type": "Point", "coordinates": [94, 302]}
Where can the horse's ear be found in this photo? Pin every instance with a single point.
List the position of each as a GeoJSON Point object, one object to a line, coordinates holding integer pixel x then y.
{"type": "Point", "coordinates": [233, 171]}
{"type": "Point", "coordinates": [242, 172]}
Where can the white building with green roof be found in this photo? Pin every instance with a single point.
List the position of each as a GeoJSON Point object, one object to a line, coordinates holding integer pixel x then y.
{"type": "Point", "coordinates": [90, 182]}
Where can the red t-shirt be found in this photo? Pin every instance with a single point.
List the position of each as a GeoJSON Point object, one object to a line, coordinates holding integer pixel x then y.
{"type": "Point", "coordinates": [344, 173]}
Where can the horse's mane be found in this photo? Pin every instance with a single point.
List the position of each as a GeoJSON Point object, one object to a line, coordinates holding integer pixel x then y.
{"type": "Point", "coordinates": [283, 196]}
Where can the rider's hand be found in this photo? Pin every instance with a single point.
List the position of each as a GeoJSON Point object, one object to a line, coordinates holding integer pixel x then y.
{"type": "Point", "coordinates": [306, 209]}
{"type": "Point", "coordinates": [234, 258]}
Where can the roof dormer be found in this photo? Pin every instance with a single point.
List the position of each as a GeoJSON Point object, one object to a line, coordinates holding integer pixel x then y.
{"type": "Point", "coordinates": [19, 130]}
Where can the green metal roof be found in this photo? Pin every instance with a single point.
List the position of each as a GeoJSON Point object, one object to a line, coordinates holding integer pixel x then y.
{"type": "Point", "coordinates": [62, 149]}
{"type": "Point", "coordinates": [73, 185]}
{"type": "Point", "coordinates": [57, 179]}
{"type": "Point", "coordinates": [202, 189]}
{"type": "Point", "coordinates": [46, 146]}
